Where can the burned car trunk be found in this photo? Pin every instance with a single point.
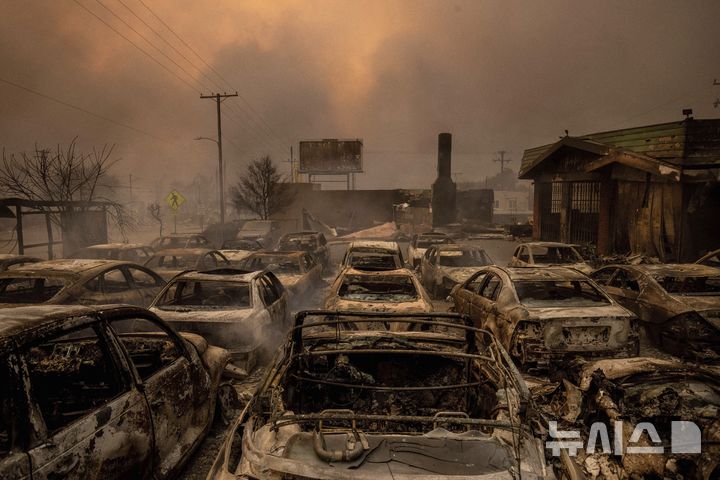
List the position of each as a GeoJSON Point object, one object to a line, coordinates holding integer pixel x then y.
{"type": "Point", "coordinates": [441, 400]}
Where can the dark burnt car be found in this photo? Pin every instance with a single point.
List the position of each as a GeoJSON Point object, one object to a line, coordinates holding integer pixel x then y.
{"type": "Point", "coordinates": [639, 393]}
{"type": "Point", "coordinates": [86, 395]}
{"type": "Point", "coordinates": [9, 261]}
{"type": "Point", "coordinates": [313, 243]}
{"type": "Point", "coordinates": [677, 304]}
{"type": "Point", "coordinates": [441, 400]}
{"type": "Point", "coordinates": [543, 315]}
{"type": "Point", "coordinates": [84, 282]}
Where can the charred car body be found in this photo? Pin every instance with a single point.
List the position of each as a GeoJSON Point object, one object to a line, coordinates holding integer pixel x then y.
{"type": "Point", "coordinates": [444, 266]}
{"type": "Point", "coordinates": [170, 262]}
{"type": "Point", "coordinates": [537, 254]}
{"type": "Point", "coordinates": [9, 261]}
{"type": "Point", "coordinates": [542, 314]}
{"type": "Point", "coordinates": [297, 271]}
{"type": "Point", "coordinates": [84, 282]}
{"type": "Point", "coordinates": [243, 312]}
{"type": "Point", "coordinates": [130, 252]}
{"type": "Point", "coordinates": [85, 396]}
{"type": "Point", "coordinates": [442, 401]}
{"type": "Point", "coordinates": [377, 291]}
{"type": "Point", "coordinates": [310, 242]}
{"type": "Point", "coordinates": [373, 255]}
{"type": "Point", "coordinates": [180, 240]}
{"type": "Point", "coordinates": [678, 304]}
{"type": "Point", "coordinates": [422, 242]}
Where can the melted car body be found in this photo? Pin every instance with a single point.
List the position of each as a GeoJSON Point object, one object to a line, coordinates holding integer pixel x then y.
{"type": "Point", "coordinates": [678, 304]}
{"type": "Point", "coordinates": [446, 265]}
{"type": "Point", "coordinates": [243, 312]}
{"type": "Point", "coordinates": [441, 401]}
{"type": "Point", "coordinates": [539, 254]}
{"type": "Point", "coordinates": [101, 393]}
{"type": "Point", "coordinates": [544, 314]}
{"type": "Point", "coordinates": [170, 262]}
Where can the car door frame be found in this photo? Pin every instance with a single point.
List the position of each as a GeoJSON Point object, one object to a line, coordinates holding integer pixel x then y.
{"type": "Point", "coordinates": [198, 384]}
{"type": "Point", "coordinates": [98, 418]}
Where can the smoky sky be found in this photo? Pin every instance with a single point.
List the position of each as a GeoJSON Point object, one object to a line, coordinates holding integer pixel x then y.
{"type": "Point", "coordinates": [498, 75]}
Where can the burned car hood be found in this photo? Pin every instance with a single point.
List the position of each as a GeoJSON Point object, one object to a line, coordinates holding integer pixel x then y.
{"type": "Point", "coordinates": [458, 274]}
{"type": "Point", "coordinates": [289, 280]}
{"type": "Point", "coordinates": [359, 306]}
{"type": "Point", "coordinates": [550, 313]}
{"type": "Point", "coordinates": [185, 314]}
{"type": "Point", "coordinates": [707, 306]}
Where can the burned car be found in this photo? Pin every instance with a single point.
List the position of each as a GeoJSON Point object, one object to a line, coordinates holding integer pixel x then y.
{"type": "Point", "coordinates": [180, 240]}
{"type": "Point", "coordinates": [86, 395]}
{"type": "Point", "coordinates": [678, 304]}
{"type": "Point", "coordinates": [313, 243]}
{"type": "Point", "coordinates": [373, 255]}
{"type": "Point", "coordinates": [264, 231]}
{"type": "Point", "coordinates": [444, 266]}
{"type": "Point", "coordinates": [442, 401]}
{"type": "Point", "coordinates": [84, 282]}
{"type": "Point", "coordinates": [378, 291]}
{"type": "Point", "coordinates": [170, 262]}
{"type": "Point", "coordinates": [422, 242]}
{"type": "Point", "coordinates": [640, 417]}
{"type": "Point", "coordinates": [537, 254]}
{"type": "Point", "coordinates": [131, 252]}
{"type": "Point", "coordinates": [243, 312]}
{"type": "Point", "coordinates": [297, 271]}
{"type": "Point", "coordinates": [9, 261]}
{"type": "Point", "coordinates": [239, 249]}
{"type": "Point", "coordinates": [542, 315]}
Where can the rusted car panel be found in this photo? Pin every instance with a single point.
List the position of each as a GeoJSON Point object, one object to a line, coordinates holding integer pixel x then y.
{"type": "Point", "coordinates": [245, 313]}
{"type": "Point", "coordinates": [638, 391]}
{"type": "Point", "coordinates": [377, 291]}
{"type": "Point", "coordinates": [85, 282]}
{"type": "Point", "coordinates": [130, 252]}
{"type": "Point", "coordinates": [444, 266]}
{"type": "Point", "coordinates": [371, 404]}
{"type": "Point", "coordinates": [545, 314]}
{"type": "Point", "coordinates": [170, 262]}
{"type": "Point", "coordinates": [373, 255]}
{"type": "Point", "coordinates": [313, 243]}
{"type": "Point", "coordinates": [678, 304]}
{"type": "Point", "coordinates": [549, 254]}
{"type": "Point", "coordinates": [297, 271]}
{"type": "Point", "coordinates": [78, 401]}
{"type": "Point", "coordinates": [9, 261]}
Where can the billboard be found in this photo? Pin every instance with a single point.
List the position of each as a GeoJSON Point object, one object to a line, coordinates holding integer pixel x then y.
{"type": "Point", "coordinates": [330, 157]}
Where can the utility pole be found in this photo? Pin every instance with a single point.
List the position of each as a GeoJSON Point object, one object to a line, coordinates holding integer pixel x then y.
{"type": "Point", "coordinates": [291, 161]}
{"type": "Point", "coordinates": [502, 160]}
{"type": "Point", "coordinates": [219, 97]}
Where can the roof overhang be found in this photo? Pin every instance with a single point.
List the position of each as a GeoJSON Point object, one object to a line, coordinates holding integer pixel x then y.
{"type": "Point", "coordinates": [565, 142]}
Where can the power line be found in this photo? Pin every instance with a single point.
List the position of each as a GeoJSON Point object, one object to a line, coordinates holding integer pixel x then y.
{"type": "Point", "coordinates": [80, 109]}
{"type": "Point", "coordinates": [134, 44]}
{"type": "Point", "coordinates": [209, 67]}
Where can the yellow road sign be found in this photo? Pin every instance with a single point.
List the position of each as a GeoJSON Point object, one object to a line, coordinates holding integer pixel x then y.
{"type": "Point", "coordinates": [174, 199]}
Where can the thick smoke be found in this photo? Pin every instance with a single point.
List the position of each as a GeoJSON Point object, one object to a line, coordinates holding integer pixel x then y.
{"type": "Point", "coordinates": [498, 75]}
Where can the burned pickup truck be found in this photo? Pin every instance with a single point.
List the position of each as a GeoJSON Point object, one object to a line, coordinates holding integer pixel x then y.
{"type": "Point", "coordinates": [442, 400]}
{"type": "Point", "coordinates": [637, 417]}
{"type": "Point", "coordinates": [84, 394]}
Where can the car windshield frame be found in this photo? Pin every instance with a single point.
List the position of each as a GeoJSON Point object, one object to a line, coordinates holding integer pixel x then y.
{"type": "Point", "coordinates": [221, 289]}
{"type": "Point", "coordinates": [542, 258]}
{"type": "Point", "coordinates": [43, 297]}
{"type": "Point", "coordinates": [592, 296]}
{"type": "Point", "coordinates": [681, 285]}
{"type": "Point", "coordinates": [381, 293]}
{"type": "Point", "coordinates": [480, 257]}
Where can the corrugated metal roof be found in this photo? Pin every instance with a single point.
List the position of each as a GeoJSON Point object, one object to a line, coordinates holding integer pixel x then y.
{"type": "Point", "coordinates": [687, 142]}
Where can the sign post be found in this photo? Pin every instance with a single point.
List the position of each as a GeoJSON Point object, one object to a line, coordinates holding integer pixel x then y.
{"type": "Point", "coordinates": [174, 200]}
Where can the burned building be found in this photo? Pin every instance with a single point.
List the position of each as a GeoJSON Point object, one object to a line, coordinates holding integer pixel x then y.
{"type": "Point", "coordinates": [653, 190]}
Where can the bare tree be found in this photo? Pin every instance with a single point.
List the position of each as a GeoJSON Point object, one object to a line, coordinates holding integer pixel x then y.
{"type": "Point", "coordinates": [261, 189]}
{"type": "Point", "coordinates": [154, 210]}
{"type": "Point", "coordinates": [62, 175]}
